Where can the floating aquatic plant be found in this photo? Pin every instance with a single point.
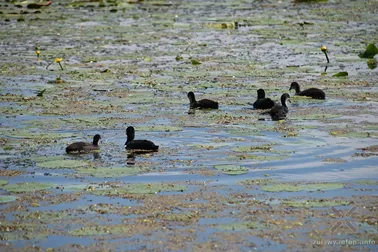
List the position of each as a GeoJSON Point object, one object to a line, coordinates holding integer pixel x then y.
{"type": "Point", "coordinates": [340, 74]}
{"type": "Point", "coordinates": [324, 50]}
{"type": "Point", "coordinates": [232, 169]}
{"type": "Point", "coordinates": [59, 60]}
{"type": "Point", "coordinates": [370, 52]}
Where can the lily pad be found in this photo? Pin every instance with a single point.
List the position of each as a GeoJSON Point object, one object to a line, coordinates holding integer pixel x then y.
{"type": "Point", "coordinates": [317, 203]}
{"type": "Point", "coordinates": [7, 198]}
{"type": "Point", "coordinates": [232, 169]}
{"type": "Point", "coordinates": [66, 163]}
{"type": "Point", "coordinates": [370, 52]}
{"type": "Point", "coordinates": [286, 187]}
{"type": "Point", "coordinates": [27, 187]}
{"type": "Point", "coordinates": [3, 182]}
{"type": "Point", "coordinates": [112, 171]}
{"type": "Point", "coordinates": [141, 189]}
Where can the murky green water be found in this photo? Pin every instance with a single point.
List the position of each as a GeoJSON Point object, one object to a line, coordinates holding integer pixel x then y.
{"type": "Point", "coordinates": [222, 180]}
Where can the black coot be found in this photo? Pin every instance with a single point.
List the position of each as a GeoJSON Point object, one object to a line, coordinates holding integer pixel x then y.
{"type": "Point", "coordinates": [314, 93]}
{"type": "Point", "coordinates": [84, 147]}
{"type": "Point", "coordinates": [262, 102]}
{"type": "Point", "coordinates": [132, 144]}
{"type": "Point", "coordinates": [201, 104]}
{"type": "Point", "coordinates": [278, 112]}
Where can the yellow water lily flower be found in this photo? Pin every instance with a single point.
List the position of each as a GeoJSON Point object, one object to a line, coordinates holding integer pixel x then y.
{"type": "Point", "coordinates": [324, 48]}
{"type": "Point", "coordinates": [58, 60]}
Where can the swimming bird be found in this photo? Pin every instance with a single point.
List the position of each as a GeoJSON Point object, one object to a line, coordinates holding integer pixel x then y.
{"type": "Point", "coordinates": [314, 93]}
{"type": "Point", "coordinates": [132, 144]}
{"type": "Point", "coordinates": [201, 104]}
{"type": "Point", "coordinates": [84, 147]}
{"type": "Point", "coordinates": [262, 102]}
{"type": "Point", "coordinates": [278, 112]}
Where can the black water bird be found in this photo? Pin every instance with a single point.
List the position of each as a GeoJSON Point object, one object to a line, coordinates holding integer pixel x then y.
{"type": "Point", "coordinates": [262, 102]}
{"type": "Point", "coordinates": [201, 104]}
{"type": "Point", "coordinates": [132, 144]}
{"type": "Point", "coordinates": [278, 112]}
{"type": "Point", "coordinates": [84, 147]}
{"type": "Point", "coordinates": [314, 93]}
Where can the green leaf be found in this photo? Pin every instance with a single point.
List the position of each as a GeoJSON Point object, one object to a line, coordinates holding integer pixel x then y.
{"type": "Point", "coordinates": [372, 63]}
{"type": "Point", "coordinates": [340, 74]}
{"type": "Point", "coordinates": [195, 62]}
{"type": "Point", "coordinates": [370, 52]}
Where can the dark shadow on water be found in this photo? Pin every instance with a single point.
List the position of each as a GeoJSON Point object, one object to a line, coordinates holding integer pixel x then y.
{"type": "Point", "coordinates": [132, 154]}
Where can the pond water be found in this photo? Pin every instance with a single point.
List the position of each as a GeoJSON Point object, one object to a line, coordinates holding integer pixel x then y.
{"type": "Point", "coordinates": [223, 180]}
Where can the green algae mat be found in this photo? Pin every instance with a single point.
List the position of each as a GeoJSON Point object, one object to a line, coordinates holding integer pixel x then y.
{"type": "Point", "coordinates": [223, 180]}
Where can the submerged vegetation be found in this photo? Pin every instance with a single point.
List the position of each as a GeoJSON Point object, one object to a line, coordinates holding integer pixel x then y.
{"type": "Point", "coordinates": [222, 180]}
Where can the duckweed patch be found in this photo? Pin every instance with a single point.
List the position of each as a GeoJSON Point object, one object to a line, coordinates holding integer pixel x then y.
{"type": "Point", "coordinates": [285, 187]}
{"type": "Point", "coordinates": [27, 187]}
